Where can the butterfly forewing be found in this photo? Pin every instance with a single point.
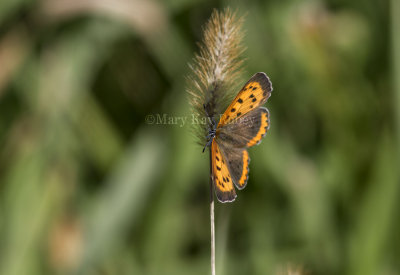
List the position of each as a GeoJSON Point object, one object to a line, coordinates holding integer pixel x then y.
{"type": "Point", "coordinates": [222, 178]}
{"type": "Point", "coordinates": [253, 94]}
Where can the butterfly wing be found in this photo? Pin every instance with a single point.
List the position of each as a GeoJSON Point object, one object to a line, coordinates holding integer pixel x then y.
{"type": "Point", "coordinates": [234, 138]}
{"type": "Point", "coordinates": [238, 165]}
{"type": "Point", "coordinates": [223, 184]}
{"type": "Point", "coordinates": [246, 131]}
{"type": "Point", "coordinates": [253, 94]}
{"type": "Point", "coordinates": [243, 124]}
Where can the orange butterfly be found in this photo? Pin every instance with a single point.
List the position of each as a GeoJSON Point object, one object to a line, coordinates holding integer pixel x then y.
{"type": "Point", "coordinates": [242, 125]}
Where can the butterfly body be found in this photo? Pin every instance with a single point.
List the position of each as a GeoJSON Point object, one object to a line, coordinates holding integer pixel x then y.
{"type": "Point", "coordinates": [242, 125]}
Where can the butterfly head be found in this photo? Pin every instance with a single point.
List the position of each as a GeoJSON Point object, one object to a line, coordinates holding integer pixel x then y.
{"type": "Point", "coordinates": [212, 130]}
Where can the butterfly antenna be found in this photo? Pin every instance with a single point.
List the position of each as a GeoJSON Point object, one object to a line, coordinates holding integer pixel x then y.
{"type": "Point", "coordinates": [210, 137]}
{"type": "Point", "coordinates": [208, 144]}
{"type": "Point", "coordinates": [205, 146]}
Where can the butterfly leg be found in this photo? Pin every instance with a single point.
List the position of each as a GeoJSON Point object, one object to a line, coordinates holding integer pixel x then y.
{"type": "Point", "coordinates": [210, 137]}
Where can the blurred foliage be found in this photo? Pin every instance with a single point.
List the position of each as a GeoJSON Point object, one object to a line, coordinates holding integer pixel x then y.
{"type": "Point", "coordinates": [88, 186]}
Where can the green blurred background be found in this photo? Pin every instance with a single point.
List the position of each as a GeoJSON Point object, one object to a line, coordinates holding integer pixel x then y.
{"type": "Point", "coordinates": [87, 186]}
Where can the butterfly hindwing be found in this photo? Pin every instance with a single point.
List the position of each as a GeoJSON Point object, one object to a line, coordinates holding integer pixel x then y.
{"type": "Point", "coordinates": [245, 131]}
{"type": "Point", "coordinates": [223, 184]}
{"type": "Point", "coordinates": [253, 94]}
{"type": "Point", "coordinates": [238, 164]}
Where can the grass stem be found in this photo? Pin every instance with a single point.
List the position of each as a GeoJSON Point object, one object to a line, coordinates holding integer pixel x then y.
{"type": "Point", "coordinates": [212, 220]}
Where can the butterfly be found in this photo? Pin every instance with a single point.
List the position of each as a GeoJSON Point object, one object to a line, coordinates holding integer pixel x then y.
{"type": "Point", "coordinates": [243, 124]}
